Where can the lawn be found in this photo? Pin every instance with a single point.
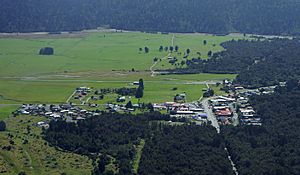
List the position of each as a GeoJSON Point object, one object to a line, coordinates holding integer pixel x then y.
{"type": "Point", "coordinates": [98, 60]}
{"type": "Point", "coordinates": [98, 53]}
{"type": "Point", "coordinates": [36, 157]}
{"type": "Point", "coordinates": [31, 91]}
{"type": "Point", "coordinates": [5, 111]}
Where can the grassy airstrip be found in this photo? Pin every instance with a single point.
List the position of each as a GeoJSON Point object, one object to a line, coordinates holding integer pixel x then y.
{"type": "Point", "coordinates": [98, 60]}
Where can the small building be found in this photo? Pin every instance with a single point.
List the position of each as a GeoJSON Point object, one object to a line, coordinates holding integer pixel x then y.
{"type": "Point", "coordinates": [121, 99]}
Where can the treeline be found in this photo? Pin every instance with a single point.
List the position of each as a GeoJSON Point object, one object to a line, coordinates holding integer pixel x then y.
{"type": "Point", "coordinates": [271, 149]}
{"type": "Point", "coordinates": [257, 62]}
{"type": "Point", "coordinates": [112, 140]}
{"type": "Point", "coordinates": [214, 16]}
{"type": "Point", "coordinates": [184, 149]}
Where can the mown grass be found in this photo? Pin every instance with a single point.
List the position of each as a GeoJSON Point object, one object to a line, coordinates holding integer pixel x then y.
{"type": "Point", "coordinates": [97, 52]}
{"type": "Point", "coordinates": [5, 111]}
{"type": "Point", "coordinates": [35, 157]}
{"type": "Point", "coordinates": [43, 92]}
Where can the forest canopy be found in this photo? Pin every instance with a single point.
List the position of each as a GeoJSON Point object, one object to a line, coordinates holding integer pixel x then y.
{"type": "Point", "coordinates": [255, 16]}
{"type": "Point", "coordinates": [257, 62]}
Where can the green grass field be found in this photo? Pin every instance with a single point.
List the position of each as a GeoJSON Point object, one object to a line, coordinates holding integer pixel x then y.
{"type": "Point", "coordinates": [98, 60]}
{"type": "Point", "coordinates": [36, 157]}
{"type": "Point", "coordinates": [95, 53]}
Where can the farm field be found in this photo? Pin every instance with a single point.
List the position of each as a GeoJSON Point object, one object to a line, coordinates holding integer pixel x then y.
{"type": "Point", "coordinates": [19, 92]}
{"type": "Point", "coordinates": [27, 151]}
{"type": "Point", "coordinates": [87, 60]}
{"type": "Point", "coordinates": [98, 60]}
{"type": "Point", "coordinates": [96, 53]}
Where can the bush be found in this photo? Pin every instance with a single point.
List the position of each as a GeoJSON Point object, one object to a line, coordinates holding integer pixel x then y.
{"type": "Point", "coordinates": [46, 51]}
{"type": "Point", "coordinates": [2, 126]}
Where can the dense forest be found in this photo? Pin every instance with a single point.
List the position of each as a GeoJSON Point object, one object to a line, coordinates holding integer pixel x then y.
{"type": "Point", "coordinates": [185, 149]}
{"type": "Point", "coordinates": [112, 139]}
{"type": "Point", "coordinates": [272, 149]}
{"type": "Point", "coordinates": [213, 16]}
{"type": "Point", "coordinates": [257, 62]}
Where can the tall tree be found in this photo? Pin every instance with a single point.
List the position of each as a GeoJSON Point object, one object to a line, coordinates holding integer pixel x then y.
{"type": "Point", "coordinates": [2, 126]}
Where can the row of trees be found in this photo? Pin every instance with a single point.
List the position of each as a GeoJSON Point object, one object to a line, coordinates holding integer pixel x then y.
{"type": "Point", "coordinates": [256, 16]}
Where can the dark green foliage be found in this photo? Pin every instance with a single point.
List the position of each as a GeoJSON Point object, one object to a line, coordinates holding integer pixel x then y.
{"type": "Point", "coordinates": [46, 51]}
{"type": "Point", "coordinates": [2, 126]}
{"type": "Point", "coordinates": [188, 51]}
{"type": "Point", "coordinates": [120, 91]}
{"type": "Point", "coordinates": [161, 48]}
{"type": "Point", "coordinates": [258, 63]}
{"type": "Point", "coordinates": [140, 89]}
{"type": "Point", "coordinates": [271, 149]}
{"type": "Point", "coordinates": [139, 92]}
{"type": "Point", "coordinates": [209, 53]}
{"type": "Point", "coordinates": [186, 150]}
{"type": "Point", "coordinates": [213, 16]}
{"type": "Point", "coordinates": [141, 83]}
{"type": "Point", "coordinates": [176, 48]}
{"type": "Point", "coordinates": [109, 134]}
{"type": "Point", "coordinates": [129, 105]}
{"type": "Point", "coordinates": [103, 161]}
{"type": "Point", "coordinates": [209, 93]}
{"type": "Point", "coordinates": [146, 49]}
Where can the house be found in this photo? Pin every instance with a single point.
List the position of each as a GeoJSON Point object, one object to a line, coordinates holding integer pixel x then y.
{"type": "Point", "coordinates": [224, 113]}
{"type": "Point", "coordinates": [180, 98]}
{"type": "Point", "coordinates": [121, 99]}
{"type": "Point", "coordinates": [136, 83]}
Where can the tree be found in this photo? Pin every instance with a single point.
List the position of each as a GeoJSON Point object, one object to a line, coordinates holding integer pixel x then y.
{"type": "Point", "coordinates": [141, 83]}
{"type": "Point", "coordinates": [129, 105]}
{"type": "Point", "coordinates": [147, 50]}
{"type": "Point", "coordinates": [209, 53]}
{"type": "Point", "coordinates": [166, 49]}
{"type": "Point", "coordinates": [176, 48]}
{"type": "Point", "coordinates": [171, 48]}
{"type": "Point", "coordinates": [209, 93]}
{"type": "Point", "coordinates": [182, 63]}
{"type": "Point", "coordinates": [204, 42]}
{"type": "Point", "coordinates": [140, 49]}
{"type": "Point", "coordinates": [161, 48]}
{"type": "Point", "coordinates": [46, 51]}
{"type": "Point", "coordinates": [139, 92]}
{"type": "Point", "coordinates": [2, 126]}
{"type": "Point", "coordinates": [188, 51]}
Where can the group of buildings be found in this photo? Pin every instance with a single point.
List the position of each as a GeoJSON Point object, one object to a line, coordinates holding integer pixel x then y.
{"type": "Point", "coordinates": [247, 115]}
{"type": "Point", "coordinates": [192, 110]}
{"type": "Point", "coordinates": [65, 112]}
{"type": "Point", "coordinates": [223, 109]}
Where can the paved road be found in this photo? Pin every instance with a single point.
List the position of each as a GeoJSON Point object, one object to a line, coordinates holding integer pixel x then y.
{"type": "Point", "coordinates": [235, 117]}
{"type": "Point", "coordinates": [4, 105]}
{"type": "Point", "coordinates": [210, 116]}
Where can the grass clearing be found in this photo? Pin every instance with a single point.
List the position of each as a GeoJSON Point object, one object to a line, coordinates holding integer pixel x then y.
{"type": "Point", "coordinates": [36, 157]}
{"type": "Point", "coordinates": [5, 111]}
{"type": "Point", "coordinates": [138, 155]}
